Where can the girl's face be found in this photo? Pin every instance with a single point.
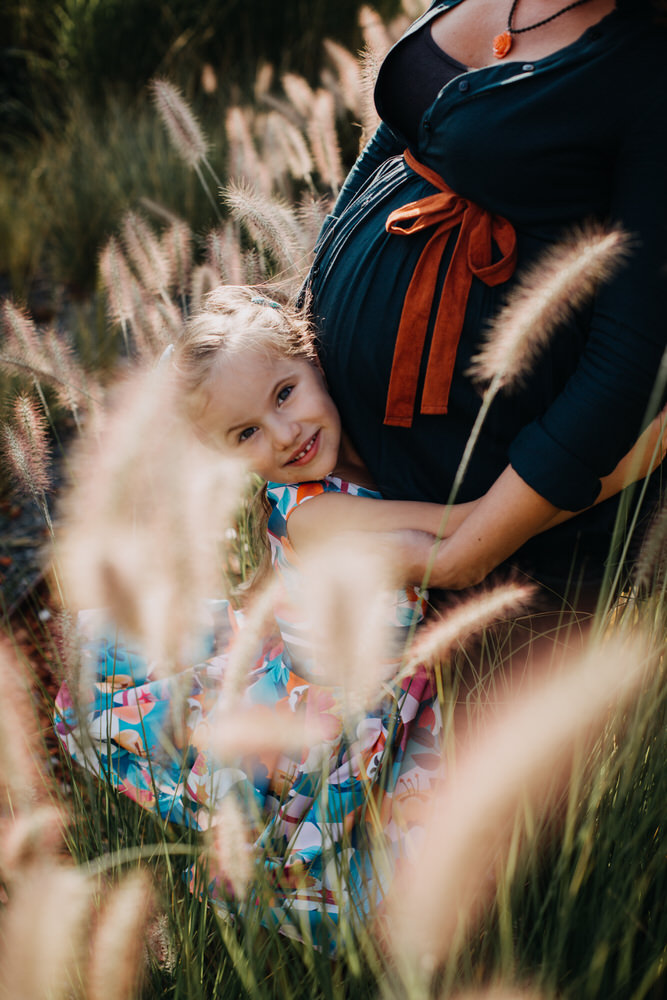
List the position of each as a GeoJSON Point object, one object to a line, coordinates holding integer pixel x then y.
{"type": "Point", "coordinates": [275, 414]}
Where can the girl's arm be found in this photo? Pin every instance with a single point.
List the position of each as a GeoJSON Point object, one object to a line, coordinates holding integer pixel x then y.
{"type": "Point", "coordinates": [339, 513]}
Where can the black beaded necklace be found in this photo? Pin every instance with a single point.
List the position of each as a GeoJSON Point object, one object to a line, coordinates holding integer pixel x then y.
{"type": "Point", "coordinates": [502, 43]}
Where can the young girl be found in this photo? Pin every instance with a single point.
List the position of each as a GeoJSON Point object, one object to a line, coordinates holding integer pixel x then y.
{"type": "Point", "coordinates": [247, 377]}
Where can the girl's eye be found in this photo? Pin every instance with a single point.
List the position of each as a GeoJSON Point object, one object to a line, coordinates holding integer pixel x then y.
{"type": "Point", "coordinates": [284, 393]}
{"type": "Point", "coordinates": [247, 433]}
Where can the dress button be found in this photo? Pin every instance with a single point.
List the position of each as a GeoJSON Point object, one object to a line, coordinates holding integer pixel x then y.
{"type": "Point", "coordinates": [463, 86]}
{"type": "Point", "coordinates": [527, 67]}
{"type": "Point", "coordinates": [427, 126]}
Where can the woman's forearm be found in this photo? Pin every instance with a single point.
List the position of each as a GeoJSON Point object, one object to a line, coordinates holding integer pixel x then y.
{"type": "Point", "coordinates": [508, 515]}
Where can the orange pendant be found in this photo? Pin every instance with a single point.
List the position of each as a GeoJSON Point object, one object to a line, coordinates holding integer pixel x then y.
{"type": "Point", "coordinates": [502, 44]}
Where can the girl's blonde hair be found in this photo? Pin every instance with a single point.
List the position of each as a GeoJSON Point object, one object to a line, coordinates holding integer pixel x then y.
{"type": "Point", "coordinates": [236, 318]}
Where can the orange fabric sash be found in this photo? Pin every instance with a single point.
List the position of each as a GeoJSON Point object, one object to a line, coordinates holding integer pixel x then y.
{"type": "Point", "coordinates": [471, 256]}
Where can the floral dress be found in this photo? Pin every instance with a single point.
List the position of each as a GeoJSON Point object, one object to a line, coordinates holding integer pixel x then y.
{"type": "Point", "coordinates": [313, 813]}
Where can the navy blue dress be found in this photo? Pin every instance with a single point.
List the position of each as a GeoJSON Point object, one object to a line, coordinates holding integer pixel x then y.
{"type": "Point", "coordinates": [579, 135]}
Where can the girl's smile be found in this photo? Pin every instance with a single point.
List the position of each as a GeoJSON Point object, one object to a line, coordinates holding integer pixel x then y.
{"type": "Point", "coordinates": [275, 413]}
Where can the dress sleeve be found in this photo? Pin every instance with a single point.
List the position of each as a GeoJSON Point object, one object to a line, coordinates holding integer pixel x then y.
{"type": "Point", "coordinates": [379, 148]}
{"type": "Point", "coordinates": [603, 407]}
{"type": "Point", "coordinates": [286, 498]}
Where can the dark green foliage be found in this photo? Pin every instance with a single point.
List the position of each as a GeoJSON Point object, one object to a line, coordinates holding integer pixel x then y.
{"type": "Point", "coordinates": [102, 47]}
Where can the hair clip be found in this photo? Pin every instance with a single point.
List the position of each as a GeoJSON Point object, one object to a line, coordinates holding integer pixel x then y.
{"type": "Point", "coordinates": [165, 356]}
{"type": "Point", "coordinates": [259, 300]}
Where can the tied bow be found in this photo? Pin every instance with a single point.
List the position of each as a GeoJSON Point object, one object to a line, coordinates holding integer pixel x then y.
{"type": "Point", "coordinates": [471, 256]}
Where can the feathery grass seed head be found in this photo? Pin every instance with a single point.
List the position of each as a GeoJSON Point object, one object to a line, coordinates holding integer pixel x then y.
{"type": "Point", "coordinates": [561, 281]}
{"type": "Point", "coordinates": [182, 126]}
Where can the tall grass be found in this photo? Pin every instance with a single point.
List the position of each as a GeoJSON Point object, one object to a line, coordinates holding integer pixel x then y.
{"type": "Point", "coordinates": [541, 872]}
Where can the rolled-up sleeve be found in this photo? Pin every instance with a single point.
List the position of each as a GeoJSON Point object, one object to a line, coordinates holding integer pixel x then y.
{"type": "Point", "coordinates": [604, 405]}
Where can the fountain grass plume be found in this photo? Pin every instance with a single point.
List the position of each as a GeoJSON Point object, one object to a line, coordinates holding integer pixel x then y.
{"type": "Point", "coordinates": [22, 339]}
{"type": "Point", "coordinates": [30, 837]}
{"type": "Point", "coordinates": [347, 74]}
{"type": "Point", "coordinates": [143, 519]}
{"type": "Point", "coordinates": [44, 933]}
{"type": "Point", "coordinates": [375, 32]}
{"type": "Point", "coordinates": [299, 93]}
{"type": "Point", "coordinates": [435, 641]}
{"type": "Point", "coordinates": [285, 147]}
{"type": "Point", "coordinates": [562, 280]}
{"type": "Point", "coordinates": [230, 848]}
{"type": "Point", "coordinates": [345, 595]}
{"type": "Point", "coordinates": [246, 648]}
{"type": "Point", "coordinates": [27, 448]}
{"type": "Point", "coordinates": [118, 956]}
{"type": "Point", "coordinates": [270, 222]}
{"type": "Point", "coordinates": [651, 571]}
{"type": "Point", "coordinates": [176, 244]}
{"type": "Point", "coordinates": [145, 252]}
{"type": "Point", "coordinates": [185, 132]}
{"type": "Point", "coordinates": [323, 138]}
{"type": "Point", "coordinates": [223, 254]}
{"type": "Point", "coordinates": [20, 774]}
{"type": "Point", "coordinates": [523, 759]}
{"type": "Point", "coordinates": [117, 281]}
{"type": "Point", "coordinates": [205, 278]}
{"type": "Point", "coordinates": [243, 160]}
{"type": "Point", "coordinates": [369, 68]}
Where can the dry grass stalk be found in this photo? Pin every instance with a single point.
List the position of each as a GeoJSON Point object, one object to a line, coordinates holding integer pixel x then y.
{"type": "Point", "coordinates": [376, 34]}
{"type": "Point", "coordinates": [285, 147]}
{"type": "Point", "coordinates": [69, 379]}
{"type": "Point", "coordinates": [524, 755]}
{"type": "Point", "coordinates": [347, 74]}
{"type": "Point", "coordinates": [26, 448]}
{"type": "Point", "coordinates": [258, 623]}
{"type": "Point", "coordinates": [118, 950]}
{"type": "Point", "coordinates": [43, 357]}
{"type": "Point", "coordinates": [223, 254]}
{"type": "Point", "coordinates": [345, 599]}
{"type": "Point", "coordinates": [652, 562]}
{"type": "Point", "coordinates": [263, 81]}
{"type": "Point", "coordinates": [299, 93]}
{"type": "Point", "coordinates": [30, 838]}
{"type": "Point", "coordinates": [143, 519]}
{"type": "Point", "coordinates": [22, 339]}
{"type": "Point", "coordinates": [117, 281]}
{"type": "Point", "coordinates": [205, 278]}
{"type": "Point", "coordinates": [324, 139]}
{"type": "Point", "coordinates": [183, 128]}
{"type": "Point", "coordinates": [434, 642]}
{"type": "Point", "coordinates": [369, 68]}
{"type": "Point", "coordinates": [311, 213]}
{"type": "Point", "coordinates": [244, 162]}
{"type": "Point", "coordinates": [231, 849]}
{"type": "Point", "coordinates": [145, 252]}
{"type": "Point", "coordinates": [270, 222]}
{"type": "Point", "coordinates": [560, 282]}
{"type": "Point", "coordinates": [20, 778]}
{"type": "Point", "coordinates": [176, 244]}
{"type": "Point", "coordinates": [44, 931]}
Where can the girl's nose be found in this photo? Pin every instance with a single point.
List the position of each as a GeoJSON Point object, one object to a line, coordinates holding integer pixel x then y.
{"type": "Point", "coordinates": [286, 432]}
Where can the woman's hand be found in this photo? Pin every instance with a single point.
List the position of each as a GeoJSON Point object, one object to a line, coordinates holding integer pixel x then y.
{"type": "Point", "coordinates": [646, 455]}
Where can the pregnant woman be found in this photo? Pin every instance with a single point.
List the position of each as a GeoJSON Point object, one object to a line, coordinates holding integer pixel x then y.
{"type": "Point", "coordinates": [506, 125]}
